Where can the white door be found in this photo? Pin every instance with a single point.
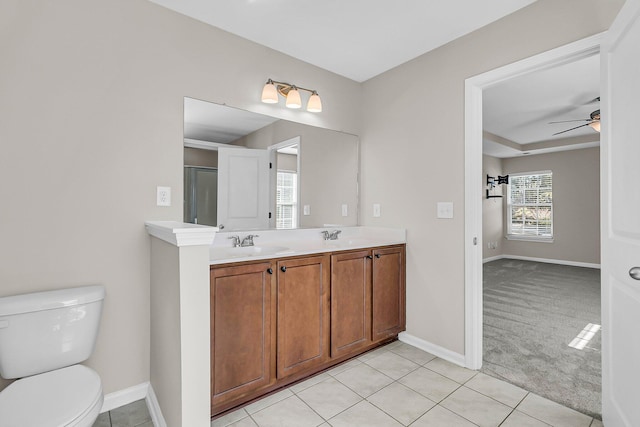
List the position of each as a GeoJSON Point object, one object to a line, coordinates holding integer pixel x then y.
{"type": "Point", "coordinates": [243, 189]}
{"type": "Point", "coordinates": [620, 158]}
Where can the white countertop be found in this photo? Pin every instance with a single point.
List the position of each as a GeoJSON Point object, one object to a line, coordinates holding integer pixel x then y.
{"type": "Point", "coordinates": [285, 243]}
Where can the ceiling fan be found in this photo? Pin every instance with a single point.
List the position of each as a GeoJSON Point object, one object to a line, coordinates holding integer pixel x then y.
{"type": "Point", "coordinates": [593, 121]}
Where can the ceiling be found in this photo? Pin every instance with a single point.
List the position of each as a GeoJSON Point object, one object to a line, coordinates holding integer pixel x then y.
{"type": "Point", "coordinates": [519, 110]}
{"type": "Point", "coordinates": [357, 39]}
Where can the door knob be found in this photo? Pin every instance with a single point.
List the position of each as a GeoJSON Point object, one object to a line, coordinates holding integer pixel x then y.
{"type": "Point", "coordinates": [270, 270]}
{"type": "Point", "coordinates": [369, 257]}
{"type": "Point", "coordinates": [283, 268]}
{"type": "Point", "coordinates": [377, 255]}
{"type": "Point", "coordinates": [635, 273]}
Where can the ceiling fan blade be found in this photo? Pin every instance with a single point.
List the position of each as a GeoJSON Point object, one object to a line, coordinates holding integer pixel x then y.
{"type": "Point", "coordinates": [577, 127]}
{"type": "Point", "coordinates": [567, 121]}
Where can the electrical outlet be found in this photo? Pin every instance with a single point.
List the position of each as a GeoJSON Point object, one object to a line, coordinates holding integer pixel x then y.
{"type": "Point", "coordinates": [376, 210]}
{"type": "Point", "coordinates": [163, 196]}
{"type": "Point", "coordinates": [306, 210]}
{"type": "Point", "coordinates": [345, 210]}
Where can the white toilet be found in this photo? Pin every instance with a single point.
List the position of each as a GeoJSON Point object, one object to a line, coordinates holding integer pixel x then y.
{"type": "Point", "coordinates": [43, 337]}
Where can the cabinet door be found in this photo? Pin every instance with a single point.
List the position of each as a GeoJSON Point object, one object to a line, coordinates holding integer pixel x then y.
{"type": "Point", "coordinates": [242, 330]}
{"type": "Point", "coordinates": [303, 314]}
{"type": "Point", "coordinates": [350, 302]}
{"type": "Point", "coordinates": [388, 292]}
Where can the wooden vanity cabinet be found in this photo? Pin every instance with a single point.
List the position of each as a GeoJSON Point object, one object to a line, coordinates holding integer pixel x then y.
{"type": "Point", "coordinates": [388, 292]}
{"type": "Point", "coordinates": [350, 302]}
{"type": "Point", "coordinates": [303, 314]}
{"type": "Point", "coordinates": [278, 321]}
{"type": "Point", "coordinates": [243, 309]}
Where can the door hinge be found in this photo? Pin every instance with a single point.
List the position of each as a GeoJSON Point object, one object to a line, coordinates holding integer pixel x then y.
{"type": "Point", "coordinates": [270, 165]}
{"type": "Point", "coordinates": [269, 215]}
{"type": "Point", "coordinates": [475, 240]}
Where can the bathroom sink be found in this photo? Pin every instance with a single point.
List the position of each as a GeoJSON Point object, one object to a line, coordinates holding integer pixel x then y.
{"type": "Point", "coordinates": [248, 251]}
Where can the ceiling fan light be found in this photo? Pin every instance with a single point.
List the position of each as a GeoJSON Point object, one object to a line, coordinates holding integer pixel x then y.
{"type": "Point", "coordinates": [270, 93]}
{"type": "Point", "coordinates": [595, 126]}
{"type": "Point", "coordinates": [315, 103]}
{"type": "Point", "coordinates": [293, 98]}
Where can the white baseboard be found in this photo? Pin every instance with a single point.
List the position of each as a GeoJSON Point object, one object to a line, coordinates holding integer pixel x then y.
{"type": "Point", "coordinates": [124, 397]}
{"type": "Point", "coordinates": [129, 395]}
{"type": "Point", "coordinates": [436, 350]}
{"type": "Point", "coordinates": [492, 258]}
{"type": "Point", "coordinates": [154, 409]}
{"type": "Point", "coordinates": [552, 261]}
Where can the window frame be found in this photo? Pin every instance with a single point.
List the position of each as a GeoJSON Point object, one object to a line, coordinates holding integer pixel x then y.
{"type": "Point", "coordinates": [528, 237]}
{"type": "Point", "coordinates": [293, 204]}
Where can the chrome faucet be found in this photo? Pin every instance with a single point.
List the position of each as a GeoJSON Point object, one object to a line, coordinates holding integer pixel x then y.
{"type": "Point", "coordinates": [333, 235]}
{"type": "Point", "coordinates": [236, 241]}
{"type": "Point", "coordinates": [248, 240]}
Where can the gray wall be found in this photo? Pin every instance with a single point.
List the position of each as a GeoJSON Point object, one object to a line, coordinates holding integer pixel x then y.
{"type": "Point", "coordinates": [576, 205]}
{"type": "Point", "coordinates": [92, 121]}
{"type": "Point", "coordinates": [412, 152]}
{"type": "Point", "coordinates": [492, 209]}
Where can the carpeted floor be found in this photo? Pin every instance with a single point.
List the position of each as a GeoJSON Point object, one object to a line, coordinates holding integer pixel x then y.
{"type": "Point", "coordinates": [532, 311]}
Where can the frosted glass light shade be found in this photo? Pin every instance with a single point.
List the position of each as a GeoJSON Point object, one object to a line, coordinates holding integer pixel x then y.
{"type": "Point", "coordinates": [595, 126]}
{"type": "Point", "coordinates": [269, 94]}
{"type": "Point", "coordinates": [315, 103]}
{"type": "Point", "coordinates": [293, 98]}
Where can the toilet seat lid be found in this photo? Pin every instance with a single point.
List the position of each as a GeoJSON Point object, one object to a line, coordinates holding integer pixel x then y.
{"type": "Point", "coordinates": [55, 398]}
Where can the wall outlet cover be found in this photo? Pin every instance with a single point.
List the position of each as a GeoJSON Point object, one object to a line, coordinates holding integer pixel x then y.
{"type": "Point", "coordinates": [163, 196]}
{"type": "Point", "coordinates": [306, 210]}
{"type": "Point", "coordinates": [376, 210]}
{"type": "Point", "coordinates": [345, 210]}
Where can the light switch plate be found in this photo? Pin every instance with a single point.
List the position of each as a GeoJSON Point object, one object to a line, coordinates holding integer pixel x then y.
{"type": "Point", "coordinates": [345, 210]}
{"type": "Point", "coordinates": [163, 196]}
{"type": "Point", "coordinates": [306, 210]}
{"type": "Point", "coordinates": [445, 210]}
{"type": "Point", "coordinates": [376, 210]}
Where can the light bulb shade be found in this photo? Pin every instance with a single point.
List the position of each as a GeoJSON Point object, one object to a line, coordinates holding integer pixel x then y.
{"type": "Point", "coordinates": [315, 103]}
{"type": "Point", "coordinates": [595, 126]}
{"type": "Point", "coordinates": [293, 98]}
{"type": "Point", "coordinates": [270, 93]}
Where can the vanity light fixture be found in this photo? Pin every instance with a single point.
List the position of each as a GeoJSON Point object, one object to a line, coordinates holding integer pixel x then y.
{"type": "Point", "coordinates": [292, 94]}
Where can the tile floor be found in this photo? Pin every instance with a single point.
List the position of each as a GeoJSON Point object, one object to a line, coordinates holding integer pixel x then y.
{"type": "Point", "coordinates": [399, 385]}
{"type": "Point", "coordinates": [134, 414]}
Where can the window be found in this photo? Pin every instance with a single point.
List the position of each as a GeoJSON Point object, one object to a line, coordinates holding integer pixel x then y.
{"type": "Point", "coordinates": [530, 206]}
{"type": "Point", "coordinates": [286, 200]}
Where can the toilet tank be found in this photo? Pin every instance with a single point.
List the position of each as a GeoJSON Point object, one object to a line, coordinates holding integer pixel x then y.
{"type": "Point", "coordinates": [43, 331]}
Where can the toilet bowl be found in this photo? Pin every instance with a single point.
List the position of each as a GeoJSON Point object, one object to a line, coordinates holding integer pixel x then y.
{"type": "Point", "coordinates": [67, 397]}
{"type": "Point", "coordinates": [43, 338]}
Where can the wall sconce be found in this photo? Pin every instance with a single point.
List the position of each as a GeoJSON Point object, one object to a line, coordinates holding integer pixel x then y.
{"type": "Point", "coordinates": [292, 94]}
{"type": "Point", "coordinates": [492, 181]}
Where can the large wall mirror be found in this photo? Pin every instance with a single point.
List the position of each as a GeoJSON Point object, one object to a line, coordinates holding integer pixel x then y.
{"type": "Point", "coordinates": [246, 171]}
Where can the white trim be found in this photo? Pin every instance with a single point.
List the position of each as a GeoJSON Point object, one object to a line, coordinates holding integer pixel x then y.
{"type": "Point", "coordinates": [436, 350]}
{"type": "Point", "coordinates": [154, 409]}
{"type": "Point", "coordinates": [473, 175]}
{"type": "Point", "coordinates": [207, 145]}
{"type": "Point", "coordinates": [553, 261]}
{"type": "Point", "coordinates": [181, 233]}
{"type": "Point", "coordinates": [493, 258]}
{"type": "Point", "coordinates": [124, 397]}
{"type": "Point", "coordinates": [525, 238]}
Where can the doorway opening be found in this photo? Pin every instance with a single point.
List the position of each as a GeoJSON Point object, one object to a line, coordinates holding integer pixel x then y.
{"type": "Point", "coordinates": [475, 183]}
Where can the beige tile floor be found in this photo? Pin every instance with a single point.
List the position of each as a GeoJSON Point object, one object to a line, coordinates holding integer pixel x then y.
{"type": "Point", "coordinates": [134, 414]}
{"type": "Point", "coordinates": [399, 385]}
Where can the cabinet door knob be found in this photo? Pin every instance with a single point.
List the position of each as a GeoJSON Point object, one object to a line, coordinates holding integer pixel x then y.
{"type": "Point", "coordinates": [270, 270]}
{"type": "Point", "coordinates": [283, 268]}
{"type": "Point", "coordinates": [378, 255]}
{"type": "Point", "coordinates": [369, 257]}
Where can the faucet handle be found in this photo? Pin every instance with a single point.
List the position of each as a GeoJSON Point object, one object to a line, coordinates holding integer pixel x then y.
{"type": "Point", "coordinates": [325, 234]}
{"type": "Point", "coordinates": [248, 240]}
{"type": "Point", "coordinates": [236, 240]}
